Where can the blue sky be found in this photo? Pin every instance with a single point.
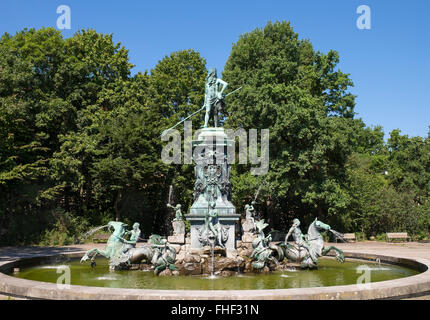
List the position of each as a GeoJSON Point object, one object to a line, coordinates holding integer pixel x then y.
{"type": "Point", "coordinates": [389, 64]}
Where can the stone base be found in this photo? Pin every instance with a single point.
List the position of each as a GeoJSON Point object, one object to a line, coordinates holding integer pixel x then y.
{"type": "Point", "coordinates": [231, 253]}
{"type": "Point", "coordinates": [226, 220]}
{"type": "Point", "coordinates": [247, 225]}
{"type": "Point", "coordinates": [178, 227]}
{"type": "Point", "coordinates": [176, 239]}
{"type": "Point", "coordinates": [176, 246]}
{"type": "Point", "coordinates": [223, 206]}
{"type": "Point", "coordinates": [248, 237]}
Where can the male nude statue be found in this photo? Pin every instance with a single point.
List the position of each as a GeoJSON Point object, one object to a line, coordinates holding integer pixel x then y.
{"type": "Point", "coordinates": [214, 96]}
{"type": "Point", "coordinates": [300, 239]}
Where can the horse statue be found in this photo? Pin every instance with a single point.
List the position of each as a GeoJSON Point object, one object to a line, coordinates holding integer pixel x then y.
{"type": "Point", "coordinates": [118, 250]}
{"type": "Point", "coordinates": [312, 248]}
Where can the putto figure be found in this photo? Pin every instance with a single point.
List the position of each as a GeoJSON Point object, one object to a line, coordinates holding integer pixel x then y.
{"type": "Point", "coordinates": [250, 211]}
{"type": "Point", "coordinates": [178, 212]}
{"type": "Point", "coordinates": [214, 96]}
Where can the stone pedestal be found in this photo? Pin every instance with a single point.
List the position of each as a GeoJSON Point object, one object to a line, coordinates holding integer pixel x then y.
{"type": "Point", "coordinates": [248, 229]}
{"type": "Point", "coordinates": [212, 173]}
{"type": "Point", "coordinates": [248, 225]}
{"type": "Point", "coordinates": [178, 236]}
{"type": "Point", "coordinates": [198, 220]}
{"type": "Point", "coordinates": [248, 237]}
{"type": "Point", "coordinates": [178, 239]}
{"type": "Point", "coordinates": [178, 227]}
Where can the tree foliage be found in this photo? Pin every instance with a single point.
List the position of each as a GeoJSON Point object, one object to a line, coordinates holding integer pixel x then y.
{"type": "Point", "coordinates": [80, 138]}
{"type": "Point", "coordinates": [302, 99]}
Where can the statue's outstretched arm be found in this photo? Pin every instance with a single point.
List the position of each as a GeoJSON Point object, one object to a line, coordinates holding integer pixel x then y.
{"type": "Point", "coordinates": [224, 85]}
{"type": "Point", "coordinates": [289, 233]}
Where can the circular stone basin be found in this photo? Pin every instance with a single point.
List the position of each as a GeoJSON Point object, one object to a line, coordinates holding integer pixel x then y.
{"type": "Point", "coordinates": [404, 283]}
{"type": "Point", "coordinates": [329, 273]}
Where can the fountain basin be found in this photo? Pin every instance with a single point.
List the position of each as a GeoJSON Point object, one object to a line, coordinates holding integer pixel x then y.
{"type": "Point", "coordinates": [403, 287]}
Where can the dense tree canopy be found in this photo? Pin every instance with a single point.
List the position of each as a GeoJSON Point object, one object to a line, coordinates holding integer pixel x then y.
{"type": "Point", "coordinates": [80, 138]}
{"type": "Point", "coordinates": [299, 95]}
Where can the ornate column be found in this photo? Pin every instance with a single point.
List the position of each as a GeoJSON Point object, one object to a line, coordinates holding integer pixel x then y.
{"type": "Point", "coordinates": [212, 185]}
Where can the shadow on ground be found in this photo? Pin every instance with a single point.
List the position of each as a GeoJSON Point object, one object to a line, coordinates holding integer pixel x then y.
{"type": "Point", "coordinates": [11, 253]}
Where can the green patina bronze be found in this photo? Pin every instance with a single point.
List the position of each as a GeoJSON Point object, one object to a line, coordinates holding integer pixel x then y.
{"type": "Point", "coordinates": [308, 247]}
{"type": "Point", "coordinates": [164, 255]}
{"type": "Point", "coordinates": [134, 236]}
{"type": "Point", "coordinates": [123, 253]}
{"type": "Point", "coordinates": [214, 96]}
{"type": "Point", "coordinates": [178, 212]}
{"type": "Point", "coordinates": [263, 251]}
{"type": "Point", "coordinates": [214, 99]}
{"type": "Point", "coordinates": [212, 203]}
{"type": "Point", "coordinates": [120, 252]}
{"type": "Point", "coordinates": [212, 232]}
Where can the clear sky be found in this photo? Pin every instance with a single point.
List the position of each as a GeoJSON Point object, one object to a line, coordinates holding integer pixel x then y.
{"type": "Point", "coordinates": [389, 64]}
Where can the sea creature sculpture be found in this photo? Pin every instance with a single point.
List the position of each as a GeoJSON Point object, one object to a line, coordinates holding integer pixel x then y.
{"type": "Point", "coordinates": [264, 252]}
{"type": "Point", "coordinates": [121, 253]}
{"type": "Point", "coordinates": [309, 247]}
{"type": "Point", "coordinates": [164, 255]}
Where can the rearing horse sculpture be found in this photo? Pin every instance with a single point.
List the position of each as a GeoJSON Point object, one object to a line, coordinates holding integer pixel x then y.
{"type": "Point", "coordinates": [316, 243]}
{"type": "Point", "coordinates": [119, 253]}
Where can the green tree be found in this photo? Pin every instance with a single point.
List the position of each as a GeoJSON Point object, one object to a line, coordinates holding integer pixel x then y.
{"type": "Point", "coordinates": [302, 99]}
{"type": "Point", "coordinates": [54, 95]}
{"type": "Point", "coordinates": [388, 188]}
{"type": "Point", "coordinates": [409, 168]}
{"type": "Point", "coordinates": [177, 85]}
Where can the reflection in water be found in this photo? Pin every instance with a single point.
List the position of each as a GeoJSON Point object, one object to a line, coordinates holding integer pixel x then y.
{"type": "Point", "coordinates": [106, 278]}
{"type": "Point", "coordinates": [62, 266]}
{"type": "Point", "coordinates": [330, 273]}
{"type": "Point", "coordinates": [378, 268]}
{"type": "Point", "coordinates": [340, 280]}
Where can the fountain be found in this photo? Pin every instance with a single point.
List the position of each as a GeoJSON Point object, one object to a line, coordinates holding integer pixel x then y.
{"type": "Point", "coordinates": [213, 219]}
{"type": "Point", "coordinates": [210, 251]}
{"type": "Point", "coordinates": [91, 232]}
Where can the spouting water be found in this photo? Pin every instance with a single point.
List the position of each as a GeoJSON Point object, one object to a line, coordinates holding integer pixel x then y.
{"type": "Point", "coordinates": [338, 235]}
{"type": "Point", "coordinates": [92, 231]}
{"type": "Point", "coordinates": [213, 259]}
